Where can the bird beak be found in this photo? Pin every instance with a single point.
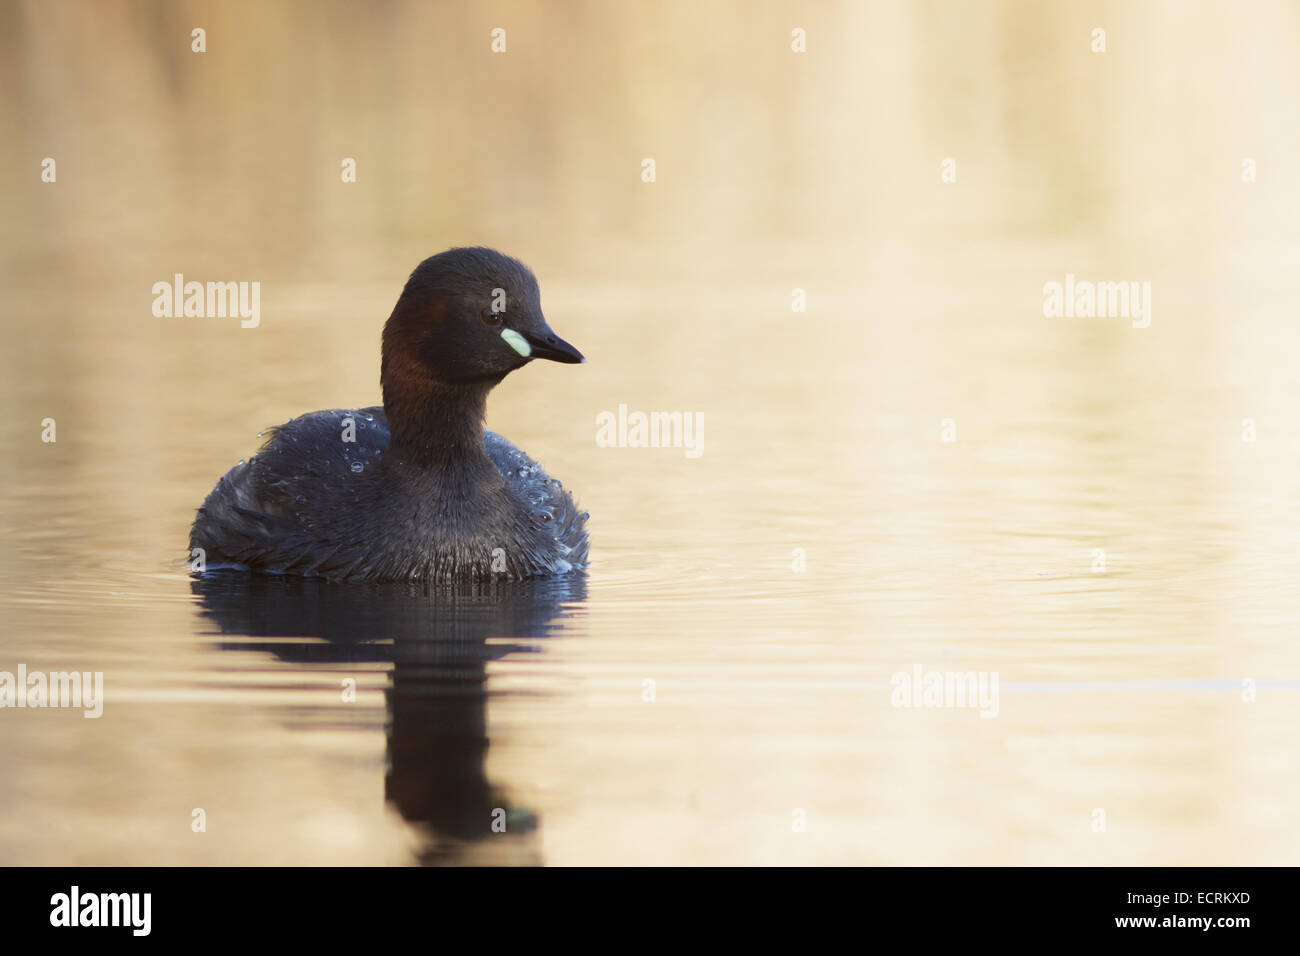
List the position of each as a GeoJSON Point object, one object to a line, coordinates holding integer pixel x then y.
{"type": "Point", "coordinates": [545, 344]}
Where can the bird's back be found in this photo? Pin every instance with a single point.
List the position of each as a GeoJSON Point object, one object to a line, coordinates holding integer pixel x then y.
{"type": "Point", "coordinates": [317, 499]}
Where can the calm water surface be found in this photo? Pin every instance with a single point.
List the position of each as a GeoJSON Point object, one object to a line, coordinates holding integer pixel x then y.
{"type": "Point", "coordinates": [771, 694]}
{"type": "Point", "coordinates": [723, 671]}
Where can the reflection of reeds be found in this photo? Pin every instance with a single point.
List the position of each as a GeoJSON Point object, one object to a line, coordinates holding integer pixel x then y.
{"type": "Point", "coordinates": [234, 154]}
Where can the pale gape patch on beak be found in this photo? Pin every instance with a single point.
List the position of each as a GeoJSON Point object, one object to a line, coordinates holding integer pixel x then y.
{"type": "Point", "coordinates": [517, 342]}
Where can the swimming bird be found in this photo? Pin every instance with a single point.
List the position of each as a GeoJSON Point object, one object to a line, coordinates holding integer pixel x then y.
{"type": "Point", "coordinates": [415, 489]}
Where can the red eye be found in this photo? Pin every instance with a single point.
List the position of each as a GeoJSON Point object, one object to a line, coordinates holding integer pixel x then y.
{"type": "Point", "coordinates": [490, 318]}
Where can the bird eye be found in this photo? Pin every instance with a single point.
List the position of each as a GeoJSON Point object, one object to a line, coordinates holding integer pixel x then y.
{"type": "Point", "coordinates": [490, 318]}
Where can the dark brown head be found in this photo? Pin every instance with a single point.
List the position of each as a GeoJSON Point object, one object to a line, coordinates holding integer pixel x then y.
{"type": "Point", "coordinates": [467, 316]}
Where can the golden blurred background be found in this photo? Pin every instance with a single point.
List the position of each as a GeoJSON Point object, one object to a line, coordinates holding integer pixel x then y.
{"type": "Point", "coordinates": [775, 170]}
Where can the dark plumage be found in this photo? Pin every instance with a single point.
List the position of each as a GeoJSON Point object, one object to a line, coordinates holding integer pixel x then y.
{"type": "Point", "coordinates": [423, 491]}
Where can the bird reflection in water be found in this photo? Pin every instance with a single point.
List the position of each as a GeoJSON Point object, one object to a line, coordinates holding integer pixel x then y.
{"type": "Point", "coordinates": [438, 641]}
